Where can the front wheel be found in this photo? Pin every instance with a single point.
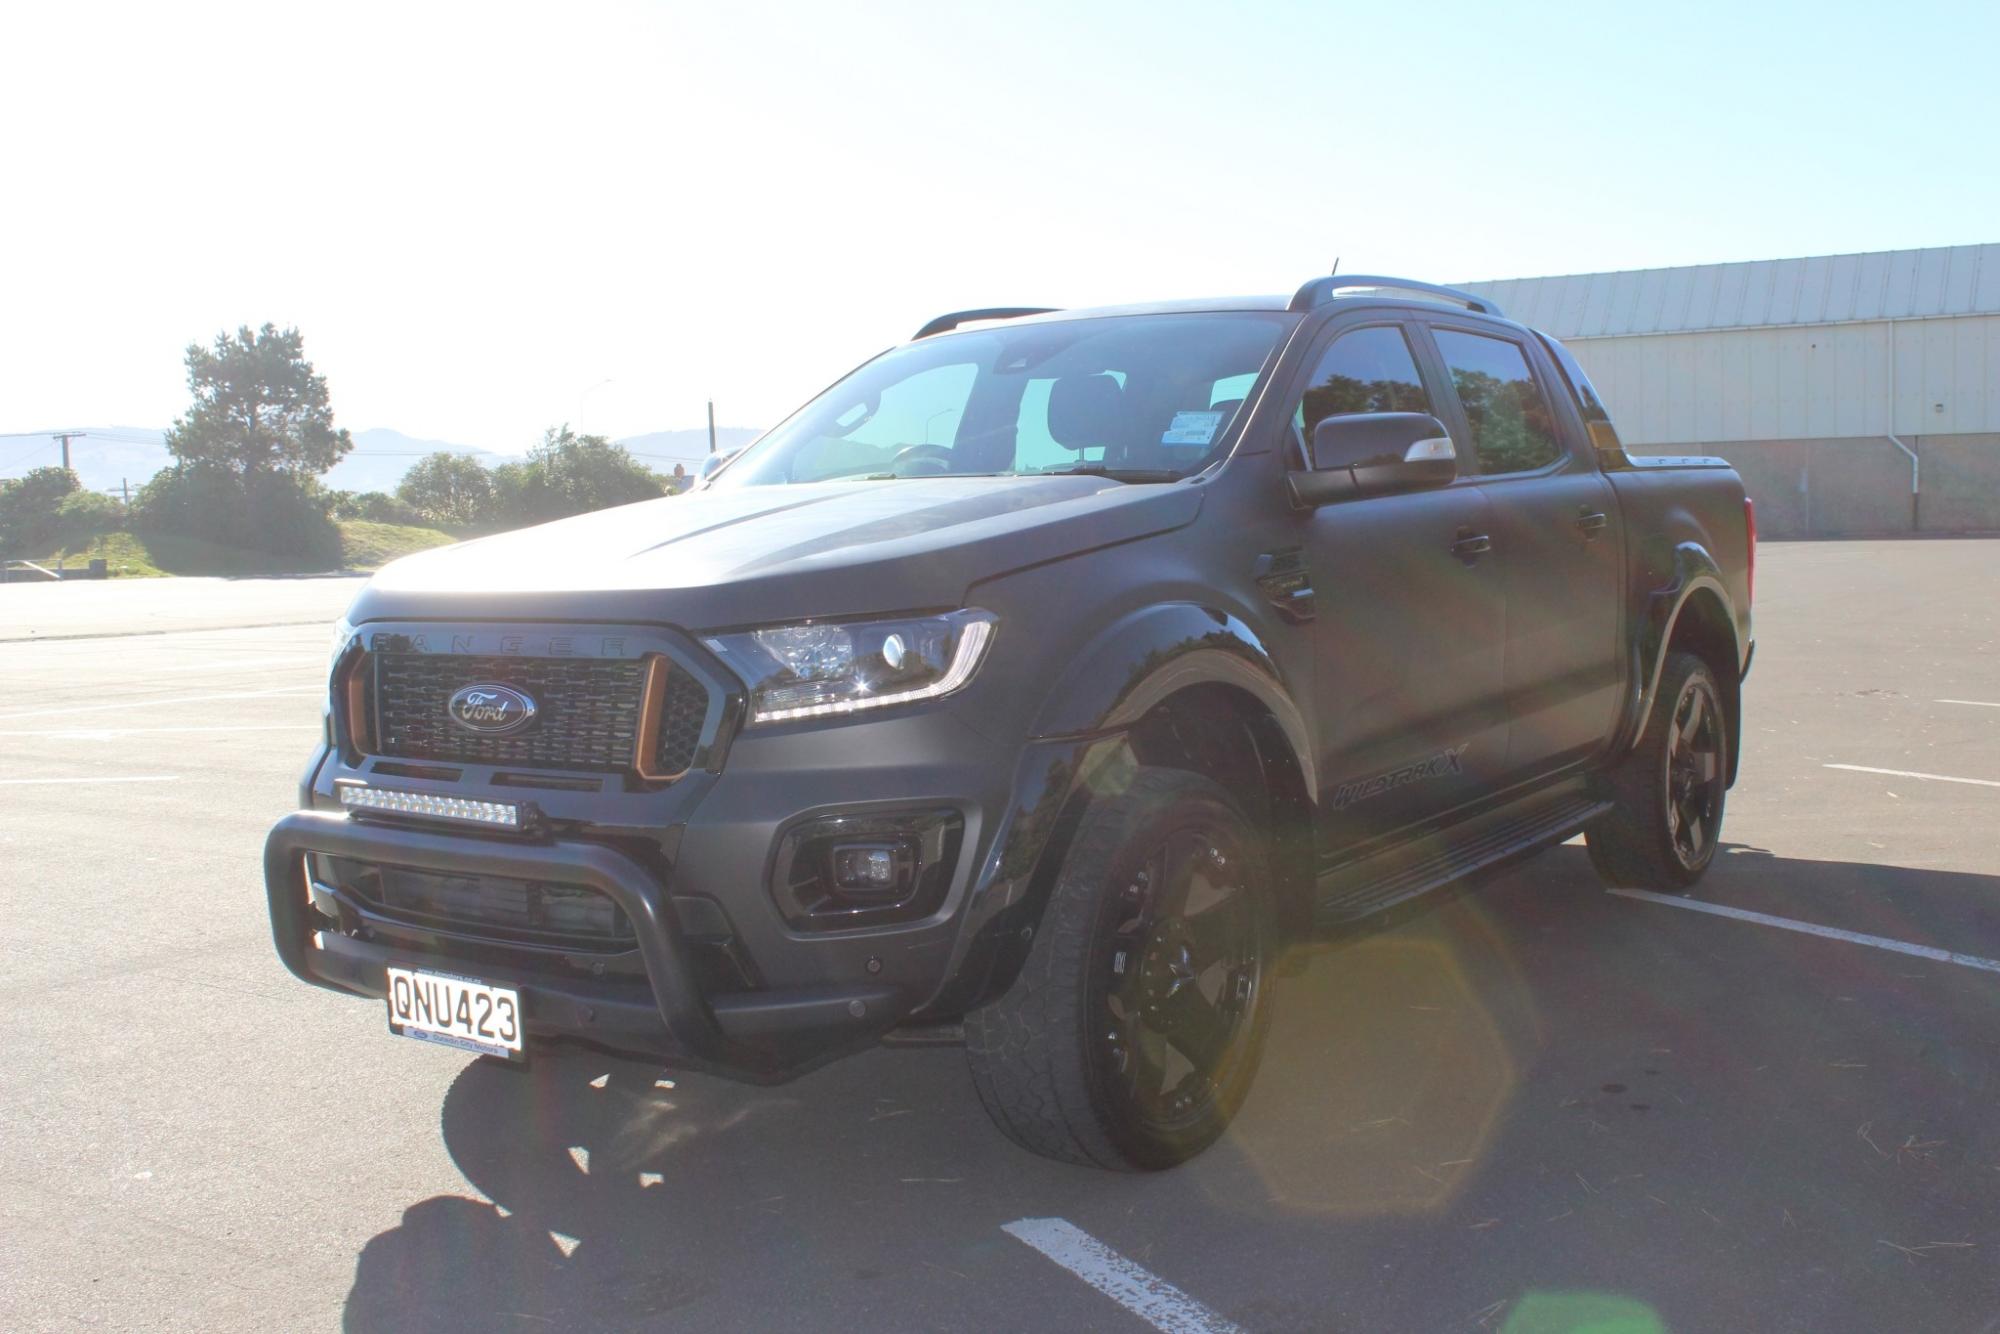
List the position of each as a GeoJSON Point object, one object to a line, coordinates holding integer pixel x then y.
{"type": "Point", "coordinates": [1669, 792]}
{"type": "Point", "coordinates": [1132, 1035]}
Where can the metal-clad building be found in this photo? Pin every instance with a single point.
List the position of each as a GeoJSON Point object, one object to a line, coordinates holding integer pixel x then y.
{"type": "Point", "coordinates": [1834, 384]}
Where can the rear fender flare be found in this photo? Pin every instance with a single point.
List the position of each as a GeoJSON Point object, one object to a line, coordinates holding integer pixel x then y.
{"type": "Point", "coordinates": [1695, 573]}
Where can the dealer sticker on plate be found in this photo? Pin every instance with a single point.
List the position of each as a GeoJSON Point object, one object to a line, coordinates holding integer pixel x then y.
{"type": "Point", "coordinates": [455, 1011]}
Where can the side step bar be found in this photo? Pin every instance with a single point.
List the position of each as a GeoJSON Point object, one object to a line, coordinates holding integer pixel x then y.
{"type": "Point", "coordinates": [1395, 875]}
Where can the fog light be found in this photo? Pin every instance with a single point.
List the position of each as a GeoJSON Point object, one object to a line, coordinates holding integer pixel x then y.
{"type": "Point", "coordinates": [850, 869]}
{"type": "Point", "coordinates": [464, 810]}
{"type": "Point", "coordinates": [864, 866]}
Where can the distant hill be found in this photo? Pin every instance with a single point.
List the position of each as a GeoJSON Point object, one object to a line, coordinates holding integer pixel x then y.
{"type": "Point", "coordinates": [381, 456]}
{"type": "Point", "coordinates": [106, 456]}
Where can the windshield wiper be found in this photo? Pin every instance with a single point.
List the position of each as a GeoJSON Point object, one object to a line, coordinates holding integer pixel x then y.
{"type": "Point", "coordinates": [1115, 474]}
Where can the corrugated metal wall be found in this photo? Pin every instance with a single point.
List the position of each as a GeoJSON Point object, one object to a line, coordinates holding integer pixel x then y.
{"type": "Point", "coordinates": [1784, 367]}
{"type": "Point", "coordinates": [1828, 289]}
{"type": "Point", "coordinates": [1799, 382]}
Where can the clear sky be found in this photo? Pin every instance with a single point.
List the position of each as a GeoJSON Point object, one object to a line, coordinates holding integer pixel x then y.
{"type": "Point", "coordinates": [478, 214]}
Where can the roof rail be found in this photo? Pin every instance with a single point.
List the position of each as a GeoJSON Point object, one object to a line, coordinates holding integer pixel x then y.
{"type": "Point", "coordinates": [946, 323]}
{"type": "Point", "coordinates": [1319, 291]}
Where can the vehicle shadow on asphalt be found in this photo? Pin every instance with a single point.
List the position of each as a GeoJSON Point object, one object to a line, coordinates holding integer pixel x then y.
{"type": "Point", "coordinates": [1533, 1089]}
{"type": "Point", "coordinates": [617, 1201]}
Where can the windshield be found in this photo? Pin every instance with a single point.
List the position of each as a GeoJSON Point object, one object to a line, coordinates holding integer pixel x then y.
{"type": "Point", "coordinates": [1141, 397]}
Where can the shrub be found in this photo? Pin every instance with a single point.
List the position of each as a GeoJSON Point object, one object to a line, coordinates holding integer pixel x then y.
{"type": "Point", "coordinates": [28, 511]}
{"type": "Point", "coordinates": [275, 513]}
{"type": "Point", "coordinates": [374, 506]}
{"type": "Point", "coordinates": [84, 515]}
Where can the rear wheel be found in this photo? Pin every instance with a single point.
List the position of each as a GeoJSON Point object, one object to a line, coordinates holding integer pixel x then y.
{"type": "Point", "coordinates": [1132, 1035]}
{"type": "Point", "coordinates": [1670, 791]}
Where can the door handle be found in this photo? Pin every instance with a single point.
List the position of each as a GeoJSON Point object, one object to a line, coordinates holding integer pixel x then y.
{"type": "Point", "coordinates": [1590, 522]}
{"type": "Point", "coordinates": [1470, 546]}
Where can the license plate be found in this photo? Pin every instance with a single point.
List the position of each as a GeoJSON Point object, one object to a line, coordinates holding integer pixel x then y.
{"type": "Point", "coordinates": [455, 1011]}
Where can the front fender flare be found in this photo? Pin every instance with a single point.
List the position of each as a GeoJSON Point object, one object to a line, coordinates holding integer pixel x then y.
{"type": "Point", "coordinates": [1079, 749]}
{"type": "Point", "coordinates": [1139, 660]}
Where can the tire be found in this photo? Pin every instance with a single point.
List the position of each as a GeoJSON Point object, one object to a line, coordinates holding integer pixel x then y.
{"type": "Point", "coordinates": [1125, 986]}
{"type": "Point", "coordinates": [1670, 791]}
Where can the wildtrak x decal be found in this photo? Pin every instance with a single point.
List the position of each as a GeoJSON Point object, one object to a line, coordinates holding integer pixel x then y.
{"type": "Point", "coordinates": [1444, 762]}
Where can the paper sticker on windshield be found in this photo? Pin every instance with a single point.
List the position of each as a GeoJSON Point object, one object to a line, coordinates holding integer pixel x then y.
{"type": "Point", "coordinates": [1192, 428]}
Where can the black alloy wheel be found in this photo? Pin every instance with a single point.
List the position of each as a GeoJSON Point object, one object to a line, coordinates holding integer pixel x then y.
{"type": "Point", "coordinates": [1695, 772]}
{"type": "Point", "coordinates": [1667, 794]}
{"type": "Point", "coordinates": [1177, 971]}
{"type": "Point", "coordinates": [1131, 1035]}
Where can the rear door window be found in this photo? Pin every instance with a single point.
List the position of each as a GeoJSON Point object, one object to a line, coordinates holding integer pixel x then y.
{"type": "Point", "coordinates": [1512, 427]}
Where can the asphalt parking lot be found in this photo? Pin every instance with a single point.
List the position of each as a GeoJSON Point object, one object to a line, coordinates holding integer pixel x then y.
{"type": "Point", "coordinates": [1533, 1108]}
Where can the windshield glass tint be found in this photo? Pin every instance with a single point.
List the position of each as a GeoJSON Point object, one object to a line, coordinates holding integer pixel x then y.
{"type": "Point", "coordinates": [1146, 394]}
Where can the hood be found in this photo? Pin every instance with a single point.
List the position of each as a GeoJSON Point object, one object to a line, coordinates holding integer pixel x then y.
{"type": "Point", "coordinates": [759, 554]}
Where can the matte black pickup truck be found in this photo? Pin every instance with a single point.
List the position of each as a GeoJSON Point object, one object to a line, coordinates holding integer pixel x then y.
{"type": "Point", "coordinates": [1032, 687]}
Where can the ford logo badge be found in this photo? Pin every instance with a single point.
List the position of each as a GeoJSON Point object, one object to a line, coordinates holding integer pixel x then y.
{"type": "Point", "coordinates": [491, 709]}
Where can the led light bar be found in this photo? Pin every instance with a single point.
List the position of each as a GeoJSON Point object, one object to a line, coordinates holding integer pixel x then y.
{"type": "Point", "coordinates": [500, 814]}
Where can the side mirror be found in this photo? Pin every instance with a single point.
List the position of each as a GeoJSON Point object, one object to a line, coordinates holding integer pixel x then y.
{"type": "Point", "coordinates": [1374, 453]}
{"type": "Point", "coordinates": [709, 463]}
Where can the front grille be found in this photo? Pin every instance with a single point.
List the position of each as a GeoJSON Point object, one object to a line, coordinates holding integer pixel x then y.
{"type": "Point", "coordinates": [587, 712]}
{"type": "Point", "coordinates": [533, 912]}
{"type": "Point", "coordinates": [681, 717]}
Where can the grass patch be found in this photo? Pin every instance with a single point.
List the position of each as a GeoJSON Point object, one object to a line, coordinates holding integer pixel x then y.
{"type": "Point", "coordinates": [363, 546]}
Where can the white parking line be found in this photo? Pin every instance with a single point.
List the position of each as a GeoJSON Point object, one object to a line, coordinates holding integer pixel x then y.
{"type": "Point", "coordinates": [1975, 703]}
{"type": "Point", "coordinates": [1812, 929]}
{"type": "Point", "coordinates": [1146, 1295]}
{"type": "Point", "coordinates": [163, 703]}
{"type": "Point", "coordinates": [144, 778]}
{"type": "Point", "coordinates": [1908, 773]}
{"type": "Point", "coordinates": [110, 733]}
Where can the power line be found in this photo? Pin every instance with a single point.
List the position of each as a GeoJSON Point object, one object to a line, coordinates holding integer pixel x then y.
{"type": "Point", "coordinates": [73, 430]}
{"type": "Point", "coordinates": [23, 458]}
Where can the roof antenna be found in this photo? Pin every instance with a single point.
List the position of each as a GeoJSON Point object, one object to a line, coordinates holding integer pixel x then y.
{"type": "Point", "coordinates": [1336, 265]}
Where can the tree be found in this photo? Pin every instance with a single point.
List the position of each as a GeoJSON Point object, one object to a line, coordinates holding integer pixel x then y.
{"type": "Point", "coordinates": [569, 474]}
{"type": "Point", "coordinates": [258, 407]}
{"type": "Point", "coordinates": [28, 511]}
{"type": "Point", "coordinates": [448, 488]}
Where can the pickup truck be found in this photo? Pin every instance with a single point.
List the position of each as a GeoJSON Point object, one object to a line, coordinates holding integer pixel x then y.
{"type": "Point", "coordinates": [1034, 688]}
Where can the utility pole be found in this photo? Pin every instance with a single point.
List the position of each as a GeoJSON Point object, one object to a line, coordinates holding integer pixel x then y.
{"type": "Point", "coordinates": [711, 426]}
{"type": "Point", "coordinates": [65, 437]}
{"type": "Point", "coordinates": [126, 485]}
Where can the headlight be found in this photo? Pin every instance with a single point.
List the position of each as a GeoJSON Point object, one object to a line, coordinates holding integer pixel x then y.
{"type": "Point", "coordinates": [342, 633]}
{"type": "Point", "coordinates": [830, 667]}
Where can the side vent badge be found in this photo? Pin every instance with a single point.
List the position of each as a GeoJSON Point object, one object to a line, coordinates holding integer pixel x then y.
{"type": "Point", "coordinates": [1287, 583]}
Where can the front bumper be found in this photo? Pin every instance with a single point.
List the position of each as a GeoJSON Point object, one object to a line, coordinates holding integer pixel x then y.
{"type": "Point", "coordinates": [759, 1035]}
